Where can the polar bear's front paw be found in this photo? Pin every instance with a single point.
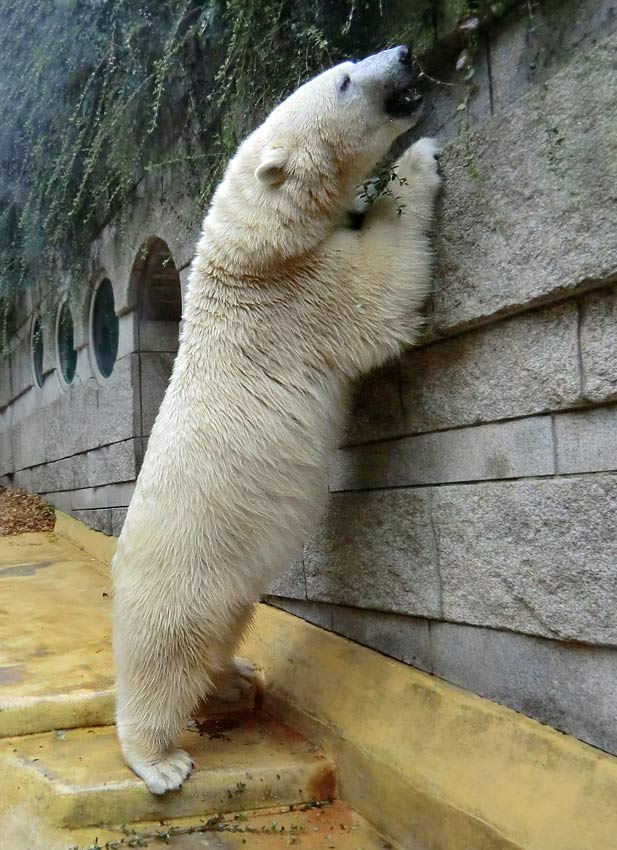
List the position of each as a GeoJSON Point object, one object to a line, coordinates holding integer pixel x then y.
{"type": "Point", "coordinates": [420, 160]}
{"type": "Point", "coordinates": [166, 774]}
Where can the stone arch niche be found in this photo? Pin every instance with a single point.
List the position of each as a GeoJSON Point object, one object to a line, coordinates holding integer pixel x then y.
{"type": "Point", "coordinates": [155, 282]}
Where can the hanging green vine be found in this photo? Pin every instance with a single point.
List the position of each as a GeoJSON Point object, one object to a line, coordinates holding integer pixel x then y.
{"type": "Point", "coordinates": [98, 94]}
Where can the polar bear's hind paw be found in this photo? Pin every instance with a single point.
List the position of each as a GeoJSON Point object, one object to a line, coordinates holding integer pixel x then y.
{"type": "Point", "coordinates": [167, 774]}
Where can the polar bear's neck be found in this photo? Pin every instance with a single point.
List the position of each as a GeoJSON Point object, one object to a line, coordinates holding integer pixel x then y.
{"type": "Point", "coordinates": [253, 231]}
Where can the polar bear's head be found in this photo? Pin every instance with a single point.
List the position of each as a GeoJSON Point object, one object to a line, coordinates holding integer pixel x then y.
{"type": "Point", "coordinates": [342, 121]}
{"type": "Point", "coordinates": [296, 176]}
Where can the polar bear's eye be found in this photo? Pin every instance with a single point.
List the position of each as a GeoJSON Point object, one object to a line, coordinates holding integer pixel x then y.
{"type": "Point", "coordinates": [345, 83]}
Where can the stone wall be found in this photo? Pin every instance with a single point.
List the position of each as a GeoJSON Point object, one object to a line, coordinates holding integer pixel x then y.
{"type": "Point", "coordinates": [81, 446]}
{"type": "Point", "coordinates": [472, 523]}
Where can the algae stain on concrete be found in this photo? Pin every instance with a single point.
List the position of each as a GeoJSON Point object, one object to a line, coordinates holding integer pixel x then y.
{"type": "Point", "coordinates": [21, 570]}
{"type": "Point", "coordinates": [11, 675]}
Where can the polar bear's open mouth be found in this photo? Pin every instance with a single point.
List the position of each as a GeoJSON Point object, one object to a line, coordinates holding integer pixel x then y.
{"type": "Point", "coordinates": [403, 103]}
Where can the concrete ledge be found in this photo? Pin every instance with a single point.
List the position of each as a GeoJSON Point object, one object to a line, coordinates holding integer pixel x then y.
{"type": "Point", "coordinates": [432, 766]}
{"type": "Point", "coordinates": [504, 666]}
{"type": "Point", "coordinates": [96, 544]}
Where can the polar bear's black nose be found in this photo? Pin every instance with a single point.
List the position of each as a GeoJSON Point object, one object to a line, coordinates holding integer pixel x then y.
{"type": "Point", "coordinates": [404, 54]}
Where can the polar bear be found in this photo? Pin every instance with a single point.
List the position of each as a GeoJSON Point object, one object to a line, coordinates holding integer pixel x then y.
{"type": "Point", "coordinates": [286, 304]}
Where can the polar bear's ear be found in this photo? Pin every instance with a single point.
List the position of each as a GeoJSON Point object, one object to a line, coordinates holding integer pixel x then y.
{"type": "Point", "coordinates": [271, 169]}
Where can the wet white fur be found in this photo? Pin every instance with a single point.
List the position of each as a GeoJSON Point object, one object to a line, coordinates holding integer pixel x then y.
{"type": "Point", "coordinates": [285, 306]}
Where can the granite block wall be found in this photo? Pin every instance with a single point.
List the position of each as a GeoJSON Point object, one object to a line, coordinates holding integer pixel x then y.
{"type": "Point", "coordinates": [471, 527]}
{"type": "Point", "coordinates": [81, 445]}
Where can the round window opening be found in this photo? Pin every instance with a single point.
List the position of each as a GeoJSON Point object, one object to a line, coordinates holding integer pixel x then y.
{"type": "Point", "coordinates": [104, 328]}
{"type": "Point", "coordinates": [37, 352]}
{"type": "Point", "coordinates": [66, 345]}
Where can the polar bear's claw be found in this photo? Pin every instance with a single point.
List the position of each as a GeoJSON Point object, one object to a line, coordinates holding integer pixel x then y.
{"type": "Point", "coordinates": [168, 774]}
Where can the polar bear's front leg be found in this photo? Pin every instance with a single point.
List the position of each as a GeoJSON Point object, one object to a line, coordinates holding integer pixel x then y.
{"type": "Point", "coordinates": [163, 667]}
{"type": "Point", "coordinates": [149, 716]}
{"type": "Point", "coordinates": [169, 658]}
{"type": "Point", "coordinates": [385, 266]}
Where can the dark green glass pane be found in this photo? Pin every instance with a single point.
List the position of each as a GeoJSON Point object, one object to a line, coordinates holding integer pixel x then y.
{"type": "Point", "coordinates": [66, 345]}
{"type": "Point", "coordinates": [105, 328]}
{"type": "Point", "coordinates": [37, 352]}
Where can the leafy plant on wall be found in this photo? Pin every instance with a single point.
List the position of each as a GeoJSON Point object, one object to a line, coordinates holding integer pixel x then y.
{"type": "Point", "coordinates": [98, 95]}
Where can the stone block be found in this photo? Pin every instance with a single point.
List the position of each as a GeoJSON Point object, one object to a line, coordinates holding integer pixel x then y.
{"type": "Point", "coordinates": [458, 104]}
{"type": "Point", "coordinates": [534, 46]}
{"type": "Point", "coordinates": [292, 583]}
{"type": "Point", "coordinates": [98, 519]}
{"type": "Point", "coordinates": [22, 480]}
{"type": "Point", "coordinates": [528, 204]}
{"type": "Point", "coordinates": [107, 496]}
{"type": "Point", "coordinates": [69, 422]}
{"type": "Point", "coordinates": [376, 410]}
{"type": "Point", "coordinates": [513, 62]}
{"type": "Point", "coordinates": [118, 515]}
{"type": "Point", "coordinates": [79, 418]}
{"type": "Point", "coordinates": [155, 374]}
{"type": "Point", "coordinates": [537, 556]}
{"type": "Point", "coordinates": [107, 464]}
{"type": "Point", "coordinates": [6, 453]}
{"type": "Point", "coordinates": [5, 381]}
{"type": "Point", "coordinates": [62, 501]}
{"type": "Point", "coordinates": [158, 336]}
{"type": "Point", "coordinates": [571, 687]}
{"type": "Point", "coordinates": [21, 368]}
{"type": "Point", "coordinates": [587, 440]}
{"type": "Point", "coordinates": [404, 638]}
{"type": "Point", "coordinates": [29, 442]}
{"type": "Point", "coordinates": [127, 334]}
{"type": "Point", "coordinates": [375, 550]}
{"type": "Point", "coordinates": [525, 365]}
{"type": "Point", "coordinates": [53, 436]}
{"type": "Point", "coordinates": [84, 369]}
{"type": "Point", "coordinates": [48, 321]}
{"type": "Point", "coordinates": [55, 476]}
{"type": "Point", "coordinates": [514, 449]}
{"type": "Point", "coordinates": [185, 274]}
{"type": "Point", "coordinates": [317, 613]}
{"type": "Point", "coordinates": [119, 412]}
{"type": "Point", "coordinates": [544, 39]}
{"type": "Point", "coordinates": [598, 339]}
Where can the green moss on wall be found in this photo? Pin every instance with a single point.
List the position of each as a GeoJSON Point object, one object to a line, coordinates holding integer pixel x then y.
{"type": "Point", "coordinates": [101, 93]}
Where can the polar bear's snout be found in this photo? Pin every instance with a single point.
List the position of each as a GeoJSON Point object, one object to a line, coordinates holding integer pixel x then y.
{"type": "Point", "coordinates": [391, 77]}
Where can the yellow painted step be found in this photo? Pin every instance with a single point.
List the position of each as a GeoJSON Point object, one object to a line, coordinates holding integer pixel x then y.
{"type": "Point", "coordinates": [77, 777]}
{"type": "Point", "coordinates": [56, 668]}
{"type": "Point", "coordinates": [55, 655]}
{"type": "Point", "coordinates": [332, 826]}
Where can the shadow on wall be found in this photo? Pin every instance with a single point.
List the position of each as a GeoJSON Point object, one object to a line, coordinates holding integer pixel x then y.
{"type": "Point", "coordinates": [156, 282]}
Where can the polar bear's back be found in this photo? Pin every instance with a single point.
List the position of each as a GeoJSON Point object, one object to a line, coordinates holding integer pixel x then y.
{"type": "Point", "coordinates": [239, 449]}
